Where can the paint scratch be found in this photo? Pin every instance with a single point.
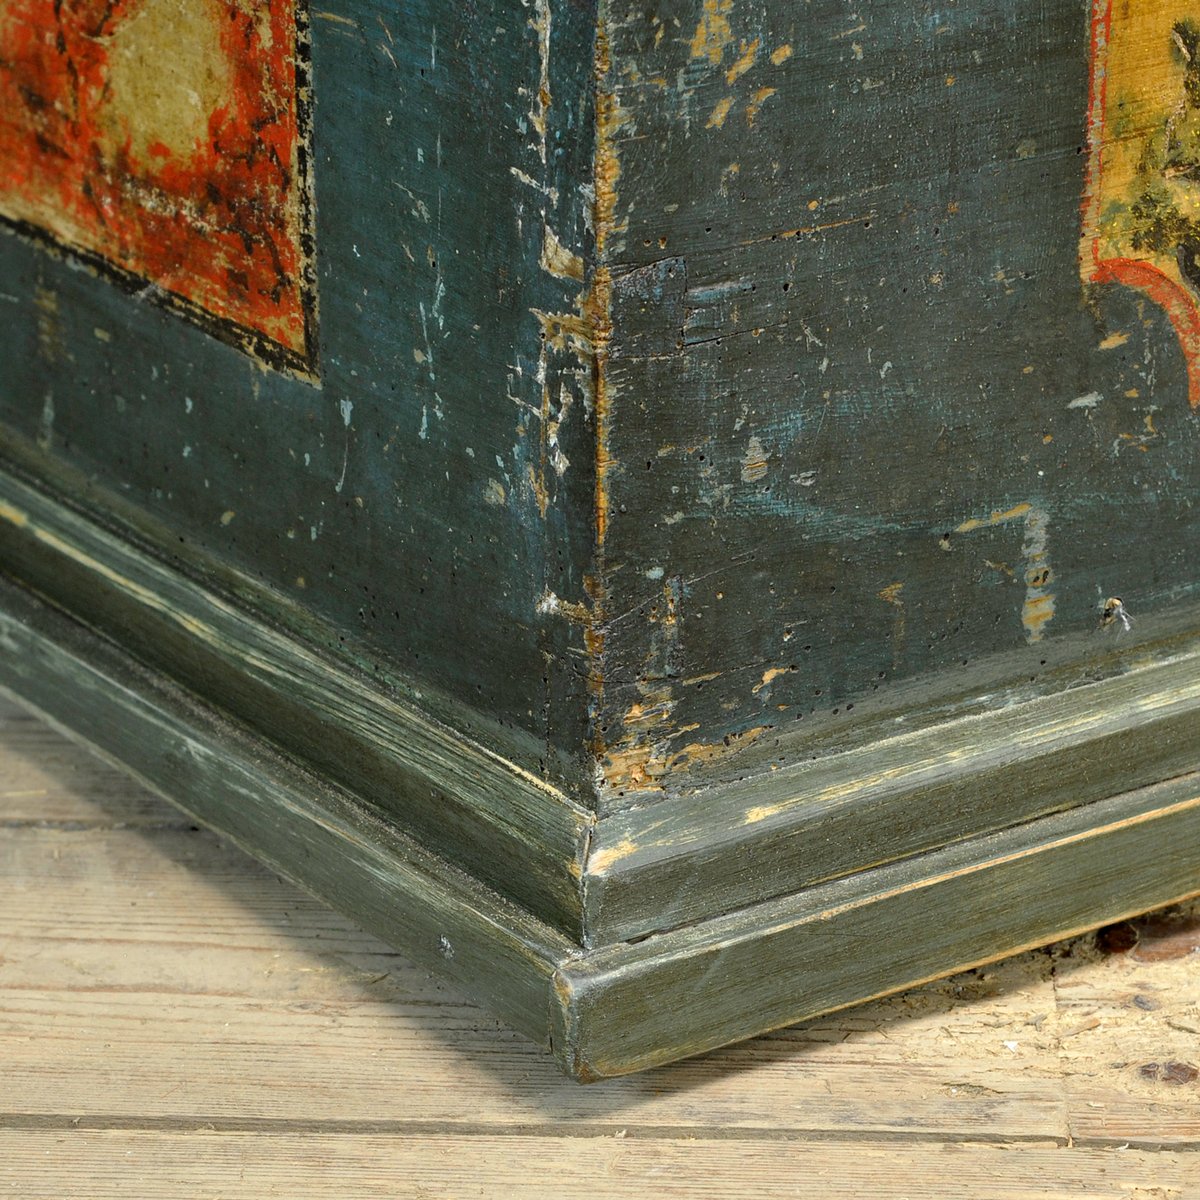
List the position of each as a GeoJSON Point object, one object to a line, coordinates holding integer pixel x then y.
{"type": "Point", "coordinates": [1038, 609]}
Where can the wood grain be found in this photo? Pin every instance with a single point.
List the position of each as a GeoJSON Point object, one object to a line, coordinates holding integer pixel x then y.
{"type": "Point", "coordinates": [873, 933]}
{"type": "Point", "coordinates": [624, 1007]}
{"type": "Point", "coordinates": [845, 437]}
{"type": "Point", "coordinates": [668, 864]}
{"type": "Point", "coordinates": [368, 503]}
{"type": "Point", "coordinates": [345, 854]}
{"type": "Point", "coordinates": [239, 960]}
{"type": "Point", "coordinates": [233, 1166]}
{"type": "Point", "coordinates": [40, 786]}
{"type": "Point", "coordinates": [173, 1013]}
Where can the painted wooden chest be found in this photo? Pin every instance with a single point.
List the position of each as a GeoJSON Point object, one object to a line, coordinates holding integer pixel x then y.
{"type": "Point", "coordinates": [682, 516]}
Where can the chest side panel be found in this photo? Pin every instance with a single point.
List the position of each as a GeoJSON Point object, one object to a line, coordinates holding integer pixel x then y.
{"type": "Point", "coordinates": [914, 400]}
{"type": "Point", "coordinates": [274, 294]}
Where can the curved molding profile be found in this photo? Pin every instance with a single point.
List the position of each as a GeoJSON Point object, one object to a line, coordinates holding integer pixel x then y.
{"type": "Point", "coordinates": [789, 895]}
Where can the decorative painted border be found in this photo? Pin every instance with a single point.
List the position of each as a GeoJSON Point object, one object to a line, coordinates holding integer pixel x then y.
{"type": "Point", "coordinates": [1180, 305]}
{"type": "Point", "coordinates": [303, 364]}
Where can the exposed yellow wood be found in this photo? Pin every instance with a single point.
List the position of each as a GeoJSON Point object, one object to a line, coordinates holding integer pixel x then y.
{"type": "Point", "coordinates": [1145, 70]}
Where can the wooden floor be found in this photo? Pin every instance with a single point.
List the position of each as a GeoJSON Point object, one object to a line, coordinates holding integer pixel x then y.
{"type": "Point", "coordinates": [176, 1021]}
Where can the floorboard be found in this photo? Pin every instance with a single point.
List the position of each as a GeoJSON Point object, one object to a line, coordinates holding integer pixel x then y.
{"type": "Point", "coordinates": [173, 1014]}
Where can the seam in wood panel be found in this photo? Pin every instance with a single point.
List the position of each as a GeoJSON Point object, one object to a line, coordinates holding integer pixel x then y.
{"type": "Point", "coordinates": [558, 1130]}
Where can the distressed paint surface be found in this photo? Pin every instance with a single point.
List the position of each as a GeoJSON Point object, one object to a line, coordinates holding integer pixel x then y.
{"type": "Point", "coordinates": [408, 512]}
{"type": "Point", "coordinates": [767, 407]}
{"type": "Point", "coordinates": [714, 429]}
{"type": "Point", "coordinates": [850, 334]}
{"type": "Point", "coordinates": [166, 138]}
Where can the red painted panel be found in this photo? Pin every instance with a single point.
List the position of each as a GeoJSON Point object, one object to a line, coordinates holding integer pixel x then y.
{"type": "Point", "coordinates": [164, 137]}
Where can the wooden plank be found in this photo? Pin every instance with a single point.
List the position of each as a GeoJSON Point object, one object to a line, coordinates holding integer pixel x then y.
{"type": "Point", "coordinates": [74, 1164]}
{"type": "Point", "coordinates": [1131, 1032]}
{"type": "Point", "coordinates": [396, 889]}
{"type": "Point", "coordinates": [143, 971]}
{"type": "Point", "coordinates": [47, 780]}
{"type": "Point", "coordinates": [684, 859]}
{"type": "Point", "coordinates": [141, 974]}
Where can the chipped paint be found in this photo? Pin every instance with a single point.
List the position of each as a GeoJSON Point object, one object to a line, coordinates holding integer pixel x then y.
{"type": "Point", "coordinates": [646, 726]}
{"type": "Point", "coordinates": [997, 518]}
{"type": "Point", "coordinates": [781, 54]}
{"type": "Point", "coordinates": [713, 34]}
{"type": "Point", "coordinates": [540, 102]}
{"type": "Point", "coordinates": [745, 60]}
{"type": "Point", "coordinates": [610, 119]}
{"type": "Point", "coordinates": [596, 306]}
{"type": "Point", "coordinates": [646, 768]}
{"type": "Point", "coordinates": [728, 175]}
{"type": "Point", "coordinates": [49, 326]}
{"type": "Point", "coordinates": [757, 100]}
{"type": "Point", "coordinates": [769, 677]}
{"type": "Point", "coordinates": [653, 709]}
{"type": "Point", "coordinates": [586, 332]}
{"type": "Point", "coordinates": [557, 259]}
{"type": "Point", "coordinates": [716, 119]}
{"type": "Point", "coordinates": [893, 594]}
{"type": "Point", "coordinates": [45, 435]}
{"type": "Point", "coordinates": [14, 516]}
{"type": "Point", "coordinates": [754, 462]}
{"type": "Point", "coordinates": [602, 860]}
{"type": "Point", "coordinates": [1139, 441]}
{"type": "Point", "coordinates": [537, 485]}
{"type": "Point", "coordinates": [568, 333]}
{"type": "Point", "coordinates": [839, 792]}
{"type": "Point", "coordinates": [551, 193]}
{"type": "Point", "coordinates": [551, 604]}
{"type": "Point", "coordinates": [1038, 609]}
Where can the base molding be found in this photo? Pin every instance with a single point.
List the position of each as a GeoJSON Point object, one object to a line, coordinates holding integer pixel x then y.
{"type": "Point", "coordinates": [632, 1005]}
{"type": "Point", "coordinates": [313, 832]}
{"type": "Point", "coordinates": [523, 835]}
{"type": "Point", "coordinates": [773, 833]}
{"type": "Point", "coordinates": [879, 931]}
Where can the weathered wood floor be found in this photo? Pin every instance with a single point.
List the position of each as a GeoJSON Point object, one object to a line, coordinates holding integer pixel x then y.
{"type": "Point", "coordinates": [177, 1022]}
